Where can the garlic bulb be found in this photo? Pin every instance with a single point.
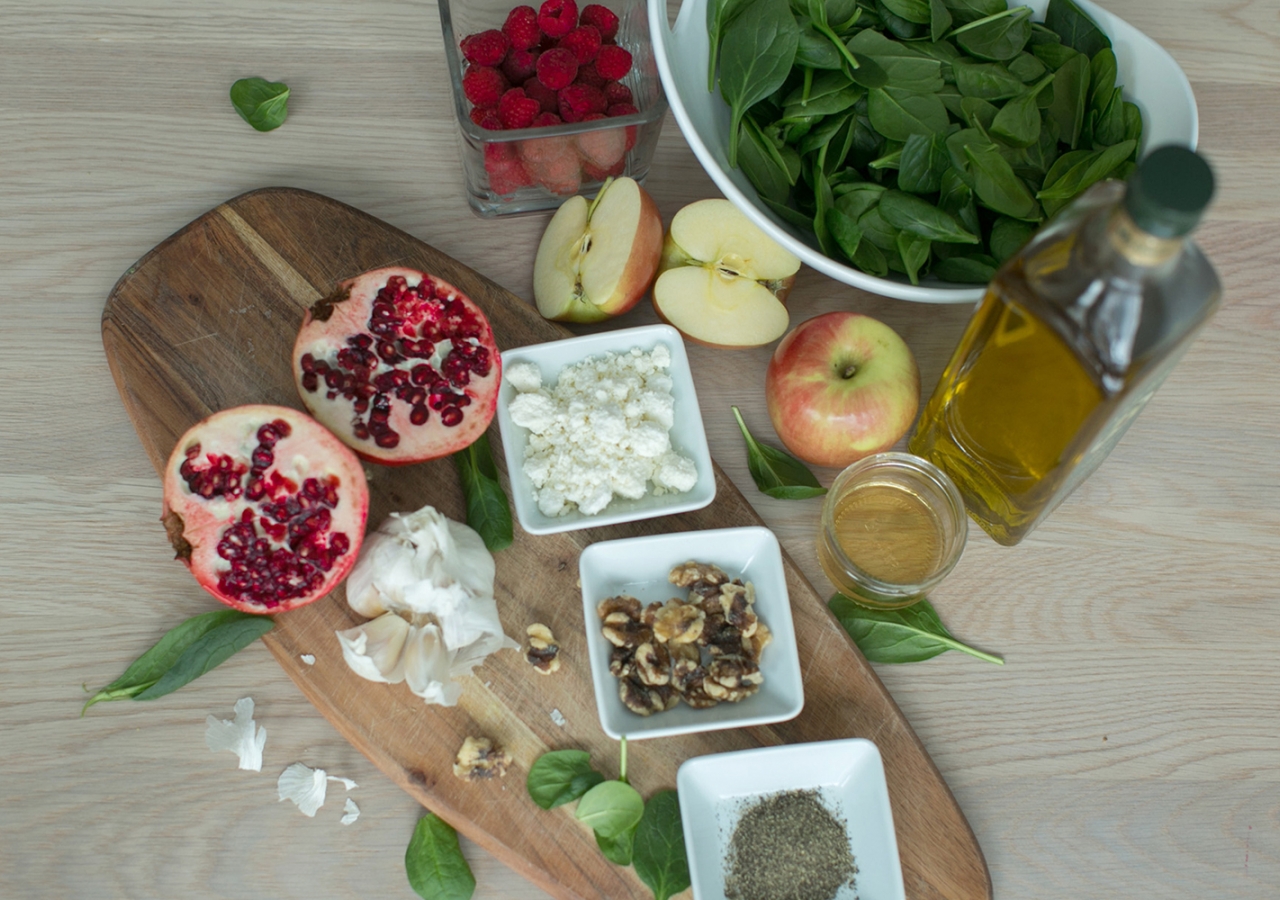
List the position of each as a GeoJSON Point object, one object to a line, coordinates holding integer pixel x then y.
{"type": "Point", "coordinates": [426, 583]}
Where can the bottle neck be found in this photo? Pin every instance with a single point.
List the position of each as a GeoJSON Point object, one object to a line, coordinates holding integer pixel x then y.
{"type": "Point", "coordinates": [1137, 246]}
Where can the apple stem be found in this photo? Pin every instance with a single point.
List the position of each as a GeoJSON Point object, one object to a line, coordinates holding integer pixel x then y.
{"type": "Point", "coordinates": [849, 371]}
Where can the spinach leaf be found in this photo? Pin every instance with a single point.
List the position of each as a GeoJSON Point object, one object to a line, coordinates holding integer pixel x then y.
{"type": "Point", "coordinates": [207, 652]}
{"type": "Point", "coordinates": [1018, 121]}
{"type": "Point", "coordinates": [910, 213]}
{"type": "Point", "coordinates": [924, 159]}
{"type": "Point", "coordinates": [904, 66]}
{"type": "Point", "coordinates": [1132, 124]}
{"type": "Point", "coordinates": [1026, 67]}
{"type": "Point", "coordinates": [792, 217]}
{"type": "Point", "coordinates": [560, 777]}
{"type": "Point", "coordinates": [762, 168]}
{"type": "Point", "coordinates": [987, 81]}
{"type": "Point", "coordinates": [487, 509]}
{"type": "Point", "coordinates": [1102, 78]}
{"type": "Point", "coordinates": [856, 199]}
{"type": "Point", "coordinates": [978, 113]}
{"type": "Point", "coordinates": [815, 51]}
{"type": "Point", "coordinates": [1081, 174]}
{"type": "Point", "coordinates": [965, 11]}
{"type": "Point", "coordinates": [897, 26]}
{"type": "Point", "coordinates": [659, 856]}
{"type": "Point", "coordinates": [890, 160]}
{"type": "Point", "coordinates": [870, 259]}
{"type": "Point", "coordinates": [263, 104]}
{"type": "Point", "coordinates": [1110, 125]}
{"type": "Point", "coordinates": [899, 635]}
{"type": "Point", "coordinates": [995, 184]}
{"type": "Point", "coordinates": [434, 862]}
{"type": "Point", "coordinates": [610, 808]}
{"type": "Point", "coordinates": [758, 49]}
{"type": "Point", "coordinates": [617, 850]}
{"type": "Point", "coordinates": [163, 656]}
{"type": "Point", "coordinates": [1075, 28]}
{"type": "Point", "coordinates": [965, 270]}
{"type": "Point", "coordinates": [775, 472]}
{"type": "Point", "coordinates": [1070, 98]}
{"type": "Point", "coordinates": [844, 231]}
{"type": "Point", "coordinates": [998, 37]}
{"type": "Point", "coordinates": [898, 114]}
{"type": "Point", "coordinates": [879, 232]}
{"type": "Point", "coordinates": [913, 251]}
{"type": "Point", "coordinates": [823, 134]}
{"type": "Point", "coordinates": [956, 198]}
{"type": "Point", "coordinates": [1053, 55]}
{"type": "Point", "coordinates": [719, 14]}
{"type": "Point", "coordinates": [912, 10]}
{"type": "Point", "coordinates": [939, 19]}
{"type": "Point", "coordinates": [1008, 237]}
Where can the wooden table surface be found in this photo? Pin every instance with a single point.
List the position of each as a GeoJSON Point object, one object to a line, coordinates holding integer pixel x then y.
{"type": "Point", "coordinates": [1129, 748]}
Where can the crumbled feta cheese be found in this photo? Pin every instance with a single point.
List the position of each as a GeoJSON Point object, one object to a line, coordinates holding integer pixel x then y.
{"type": "Point", "coordinates": [558, 717]}
{"type": "Point", "coordinates": [238, 736]}
{"type": "Point", "coordinates": [603, 430]}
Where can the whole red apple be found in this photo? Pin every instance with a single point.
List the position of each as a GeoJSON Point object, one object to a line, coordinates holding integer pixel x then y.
{"type": "Point", "coordinates": [841, 386]}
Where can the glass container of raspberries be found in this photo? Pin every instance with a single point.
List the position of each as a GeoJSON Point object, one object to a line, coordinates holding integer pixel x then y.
{"type": "Point", "coordinates": [551, 99]}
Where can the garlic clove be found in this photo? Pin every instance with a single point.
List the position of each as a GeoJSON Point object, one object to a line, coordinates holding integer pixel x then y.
{"type": "Point", "coordinates": [426, 667]}
{"type": "Point", "coordinates": [375, 650]}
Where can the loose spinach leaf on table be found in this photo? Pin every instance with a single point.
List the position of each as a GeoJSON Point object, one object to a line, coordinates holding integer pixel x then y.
{"type": "Point", "coordinates": [610, 808]}
{"type": "Point", "coordinates": [775, 472]}
{"type": "Point", "coordinates": [561, 776]}
{"type": "Point", "coordinates": [185, 653]}
{"type": "Point", "coordinates": [905, 635]}
{"type": "Point", "coordinates": [658, 853]}
{"type": "Point", "coordinates": [618, 850]}
{"type": "Point", "coordinates": [434, 862]}
{"type": "Point", "coordinates": [487, 509]}
{"type": "Point", "coordinates": [758, 49]}
{"type": "Point", "coordinates": [263, 104]}
{"type": "Point", "coordinates": [1076, 29]}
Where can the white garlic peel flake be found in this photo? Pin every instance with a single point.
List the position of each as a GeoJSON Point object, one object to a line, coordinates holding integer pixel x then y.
{"type": "Point", "coordinates": [306, 787]}
{"type": "Point", "coordinates": [352, 812]}
{"type": "Point", "coordinates": [238, 736]}
{"type": "Point", "coordinates": [426, 583]}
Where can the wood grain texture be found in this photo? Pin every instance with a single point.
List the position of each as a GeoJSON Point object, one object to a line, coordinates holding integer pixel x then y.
{"type": "Point", "coordinates": [1144, 611]}
{"type": "Point", "coordinates": [206, 321]}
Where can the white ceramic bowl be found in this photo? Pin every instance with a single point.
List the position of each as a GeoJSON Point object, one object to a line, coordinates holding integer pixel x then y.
{"type": "Point", "coordinates": [687, 434]}
{"type": "Point", "coordinates": [849, 777]}
{"type": "Point", "coordinates": [1150, 77]}
{"type": "Point", "coordinates": [639, 567]}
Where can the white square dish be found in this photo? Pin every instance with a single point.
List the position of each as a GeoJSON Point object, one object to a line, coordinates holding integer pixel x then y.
{"type": "Point", "coordinates": [639, 567]}
{"type": "Point", "coordinates": [849, 777]}
{"type": "Point", "coordinates": [687, 434]}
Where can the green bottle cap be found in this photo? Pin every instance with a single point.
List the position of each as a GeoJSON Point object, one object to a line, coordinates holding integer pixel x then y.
{"type": "Point", "coordinates": [1169, 191]}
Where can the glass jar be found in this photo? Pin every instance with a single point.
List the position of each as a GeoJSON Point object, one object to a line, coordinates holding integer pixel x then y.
{"type": "Point", "coordinates": [893, 525]}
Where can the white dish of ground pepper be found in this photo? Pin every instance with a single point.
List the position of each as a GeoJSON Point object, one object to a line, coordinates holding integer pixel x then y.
{"type": "Point", "coordinates": [814, 817]}
{"type": "Point", "coordinates": [641, 568]}
{"type": "Point", "coordinates": [605, 428]}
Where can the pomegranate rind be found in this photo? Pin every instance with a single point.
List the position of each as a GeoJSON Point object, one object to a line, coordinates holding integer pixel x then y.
{"type": "Point", "coordinates": [197, 525]}
{"type": "Point", "coordinates": [325, 330]}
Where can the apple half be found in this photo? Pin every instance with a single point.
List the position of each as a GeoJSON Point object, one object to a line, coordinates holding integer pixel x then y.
{"type": "Point", "coordinates": [596, 260]}
{"type": "Point", "coordinates": [723, 281]}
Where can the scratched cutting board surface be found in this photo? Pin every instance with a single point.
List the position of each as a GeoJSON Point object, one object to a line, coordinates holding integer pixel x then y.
{"type": "Point", "coordinates": [207, 320]}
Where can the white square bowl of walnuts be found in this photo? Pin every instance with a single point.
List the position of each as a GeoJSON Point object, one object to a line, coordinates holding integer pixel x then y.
{"type": "Point", "coordinates": [690, 631]}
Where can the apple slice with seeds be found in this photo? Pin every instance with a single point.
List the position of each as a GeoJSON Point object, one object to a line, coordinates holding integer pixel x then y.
{"type": "Point", "coordinates": [722, 280]}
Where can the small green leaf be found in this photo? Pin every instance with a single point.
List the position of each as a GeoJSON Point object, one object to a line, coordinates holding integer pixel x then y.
{"type": "Point", "coordinates": [560, 777]}
{"type": "Point", "coordinates": [434, 862]}
{"type": "Point", "coordinates": [487, 509]}
{"type": "Point", "coordinates": [617, 850]}
{"type": "Point", "coordinates": [899, 635]}
{"type": "Point", "coordinates": [207, 652]}
{"type": "Point", "coordinates": [913, 251]}
{"type": "Point", "coordinates": [659, 854]}
{"type": "Point", "coordinates": [1076, 29]}
{"type": "Point", "coordinates": [775, 472]}
{"type": "Point", "coordinates": [939, 19]}
{"type": "Point", "coordinates": [610, 808]}
{"type": "Point", "coordinates": [910, 213]}
{"type": "Point", "coordinates": [263, 104]}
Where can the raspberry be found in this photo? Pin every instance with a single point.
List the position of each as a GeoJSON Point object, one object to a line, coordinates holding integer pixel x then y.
{"type": "Point", "coordinates": [506, 172]}
{"type": "Point", "coordinates": [588, 75]}
{"type": "Point", "coordinates": [613, 63]}
{"type": "Point", "coordinates": [516, 110]}
{"type": "Point", "coordinates": [557, 68]}
{"type": "Point", "coordinates": [595, 173]}
{"type": "Point", "coordinates": [499, 153]}
{"type": "Point", "coordinates": [520, 65]}
{"type": "Point", "coordinates": [546, 119]}
{"type": "Point", "coordinates": [479, 112]}
{"type": "Point", "coordinates": [584, 41]}
{"type": "Point", "coordinates": [543, 94]}
{"type": "Point", "coordinates": [488, 48]}
{"type": "Point", "coordinates": [578, 100]}
{"type": "Point", "coordinates": [604, 147]}
{"type": "Point", "coordinates": [490, 120]}
{"type": "Point", "coordinates": [542, 150]}
{"type": "Point", "coordinates": [557, 18]}
{"type": "Point", "coordinates": [593, 117]}
{"type": "Point", "coordinates": [521, 28]}
{"type": "Point", "coordinates": [483, 86]}
{"type": "Point", "coordinates": [603, 18]}
{"type": "Point", "coordinates": [617, 93]}
{"type": "Point", "coordinates": [620, 109]}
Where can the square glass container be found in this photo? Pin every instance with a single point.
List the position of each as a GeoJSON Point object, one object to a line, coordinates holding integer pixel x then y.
{"type": "Point", "coordinates": [552, 155]}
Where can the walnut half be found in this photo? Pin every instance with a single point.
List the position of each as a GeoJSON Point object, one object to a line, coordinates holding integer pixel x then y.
{"type": "Point", "coordinates": [543, 653]}
{"type": "Point", "coordinates": [479, 759]}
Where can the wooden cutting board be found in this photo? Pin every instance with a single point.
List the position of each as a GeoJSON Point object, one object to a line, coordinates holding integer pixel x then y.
{"type": "Point", "coordinates": [206, 321]}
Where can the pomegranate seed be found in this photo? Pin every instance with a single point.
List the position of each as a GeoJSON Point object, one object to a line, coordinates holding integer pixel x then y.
{"type": "Point", "coordinates": [387, 440]}
{"type": "Point", "coordinates": [419, 415]}
{"type": "Point", "coordinates": [451, 416]}
{"type": "Point", "coordinates": [310, 381]}
{"type": "Point", "coordinates": [360, 431]}
{"type": "Point", "coordinates": [308, 363]}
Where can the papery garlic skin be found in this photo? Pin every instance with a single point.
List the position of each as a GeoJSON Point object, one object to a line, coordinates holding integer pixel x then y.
{"type": "Point", "coordinates": [239, 736]}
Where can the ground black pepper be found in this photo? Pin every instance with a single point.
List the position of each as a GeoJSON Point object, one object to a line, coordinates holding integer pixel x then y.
{"type": "Point", "coordinates": [789, 846]}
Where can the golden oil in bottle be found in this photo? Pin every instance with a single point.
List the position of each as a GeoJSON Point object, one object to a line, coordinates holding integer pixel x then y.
{"type": "Point", "coordinates": [1074, 335]}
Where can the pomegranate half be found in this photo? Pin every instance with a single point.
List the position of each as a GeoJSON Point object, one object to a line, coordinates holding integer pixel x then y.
{"type": "Point", "coordinates": [400, 365]}
{"type": "Point", "coordinates": [265, 507]}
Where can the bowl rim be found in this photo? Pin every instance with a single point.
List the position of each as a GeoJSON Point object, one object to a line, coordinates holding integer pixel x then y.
{"type": "Point", "coordinates": [789, 680]}
{"type": "Point", "coordinates": [692, 441]}
{"type": "Point", "coordinates": [659, 34]}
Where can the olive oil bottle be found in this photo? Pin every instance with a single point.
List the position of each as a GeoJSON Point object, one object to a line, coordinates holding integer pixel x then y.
{"type": "Point", "coordinates": [1076, 332]}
